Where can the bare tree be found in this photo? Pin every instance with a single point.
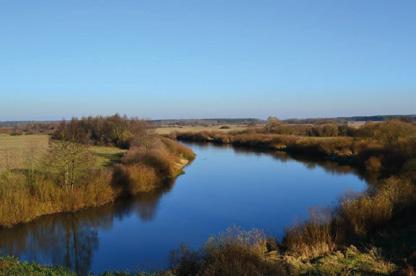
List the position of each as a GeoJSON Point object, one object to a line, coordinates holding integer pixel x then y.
{"type": "Point", "coordinates": [272, 124]}
{"type": "Point", "coordinates": [69, 162]}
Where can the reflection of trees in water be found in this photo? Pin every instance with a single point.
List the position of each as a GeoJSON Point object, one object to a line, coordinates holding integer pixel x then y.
{"type": "Point", "coordinates": [147, 203]}
{"type": "Point", "coordinates": [70, 239]}
{"type": "Point", "coordinates": [67, 239]}
{"type": "Point", "coordinates": [328, 166]}
{"type": "Point", "coordinates": [144, 204]}
{"type": "Point", "coordinates": [309, 162]}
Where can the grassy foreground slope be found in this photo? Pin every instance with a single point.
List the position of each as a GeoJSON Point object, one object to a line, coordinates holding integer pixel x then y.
{"type": "Point", "coordinates": [13, 267]}
{"type": "Point", "coordinates": [10, 266]}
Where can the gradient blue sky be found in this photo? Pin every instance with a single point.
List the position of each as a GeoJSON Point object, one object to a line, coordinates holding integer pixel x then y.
{"type": "Point", "coordinates": [213, 58]}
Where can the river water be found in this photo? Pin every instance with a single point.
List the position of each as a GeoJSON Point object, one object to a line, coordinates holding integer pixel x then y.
{"type": "Point", "coordinates": [223, 187]}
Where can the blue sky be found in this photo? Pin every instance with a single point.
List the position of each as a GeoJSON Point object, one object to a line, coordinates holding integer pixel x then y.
{"type": "Point", "coordinates": [204, 59]}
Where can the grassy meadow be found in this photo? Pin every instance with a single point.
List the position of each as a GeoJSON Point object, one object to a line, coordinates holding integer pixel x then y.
{"type": "Point", "coordinates": [107, 156]}
{"type": "Point", "coordinates": [18, 151]}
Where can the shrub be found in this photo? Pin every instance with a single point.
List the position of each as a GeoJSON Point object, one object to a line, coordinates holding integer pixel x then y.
{"type": "Point", "coordinates": [23, 201]}
{"type": "Point", "coordinates": [235, 252]}
{"type": "Point", "coordinates": [311, 238]}
{"type": "Point", "coordinates": [113, 130]}
{"type": "Point", "coordinates": [150, 165]}
{"type": "Point", "coordinates": [409, 169]}
{"type": "Point", "coordinates": [389, 132]}
{"type": "Point", "coordinates": [373, 164]}
{"type": "Point", "coordinates": [179, 149]}
{"type": "Point", "coordinates": [364, 214]}
{"type": "Point", "coordinates": [350, 261]}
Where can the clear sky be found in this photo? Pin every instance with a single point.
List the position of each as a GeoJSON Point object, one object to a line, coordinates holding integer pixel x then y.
{"type": "Point", "coordinates": [204, 59]}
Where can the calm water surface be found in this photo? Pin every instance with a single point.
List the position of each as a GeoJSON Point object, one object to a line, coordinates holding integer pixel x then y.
{"type": "Point", "coordinates": [221, 188]}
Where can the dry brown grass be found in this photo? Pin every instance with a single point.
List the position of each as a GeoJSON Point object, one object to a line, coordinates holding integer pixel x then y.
{"type": "Point", "coordinates": [22, 201]}
{"type": "Point", "coordinates": [235, 252]}
{"type": "Point", "coordinates": [172, 129]}
{"type": "Point", "coordinates": [145, 168]}
{"type": "Point", "coordinates": [29, 190]}
{"type": "Point", "coordinates": [349, 261]}
{"type": "Point", "coordinates": [315, 146]}
{"type": "Point", "coordinates": [359, 216]}
{"type": "Point", "coordinates": [16, 152]}
{"type": "Point", "coordinates": [19, 152]}
{"type": "Point", "coordinates": [373, 164]}
{"type": "Point", "coordinates": [312, 238]}
{"type": "Point", "coordinates": [354, 219]}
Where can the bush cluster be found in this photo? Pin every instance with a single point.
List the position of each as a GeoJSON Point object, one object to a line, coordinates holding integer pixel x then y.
{"type": "Point", "coordinates": [113, 130]}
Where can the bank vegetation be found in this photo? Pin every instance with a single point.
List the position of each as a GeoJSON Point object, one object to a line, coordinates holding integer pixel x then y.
{"type": "Point", "coordinates": [67, 174]}
{"type": "Point", "coordinates": [369, 233]}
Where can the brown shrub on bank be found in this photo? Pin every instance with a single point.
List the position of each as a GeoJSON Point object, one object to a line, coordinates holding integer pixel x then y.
{"type": "Point", "coordinates": [388, 132]}
{"type": "Point", "coordinates": [234, 253]}
{"type": "Point", "coordinates": [364, 214]}
{"type": "Point", "coordinates": [335, 146]}
{"type": "Point", "coordinates": [373, 164]}
{"type": "Point", "coordinates": [22, 201]}
{"type": "Point", "coordinates": [144, 168]}
{"type": "Point", "coordinates": [164, 156]}
{"type": "Point", "coordinates": [354, 219]}
{"type": "Point", "coordinates": [135, 178]}
{"type": "Point", "coordinates": [409, 169]}
{"type": "Point", "coordinates": [312, 238]}
{"type": "Point", "coordinates": [179, 149]}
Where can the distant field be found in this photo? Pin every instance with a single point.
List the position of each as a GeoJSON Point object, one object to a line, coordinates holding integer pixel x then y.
{"type": "Point", "coordinates": [224, 128]}
{"type": "Point", "coordinates": [357, 124]}
{"type": "Point", "coordinates": [17, 151]}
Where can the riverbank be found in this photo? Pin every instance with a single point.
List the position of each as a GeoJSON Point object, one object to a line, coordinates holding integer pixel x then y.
{"type": "Point", "coordinates": [376, 148]}
{"type": "Point", "coordinates": [363, 234]}
{"type": "Point", "coordinates": [237, 253]}
{"type": "Point", "coordinates": [386, 151]}
{"type": "Point", "coordinates": [345, 150]}
{"type": "Point", "coordinates": [46, 185]}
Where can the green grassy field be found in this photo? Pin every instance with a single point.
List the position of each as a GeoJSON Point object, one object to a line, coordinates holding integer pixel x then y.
{"type": "Point", "coordinates": [107, 155]}
{"type": "Point", "coordinates": [16, 152]}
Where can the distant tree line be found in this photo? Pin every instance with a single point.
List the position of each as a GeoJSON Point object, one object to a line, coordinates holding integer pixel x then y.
{"type": "Point", "coordinates": [115, 130]}
{"type": "Point", "coordinates": [396, 127]}
{"type": "Point", "coordinates": [326, 129]}
{"type": "Point", "coordinates": [339, 120]}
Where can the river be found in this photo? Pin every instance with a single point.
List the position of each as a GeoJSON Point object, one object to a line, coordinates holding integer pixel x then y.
{"type": "Point", "coordinates": [223, 187]}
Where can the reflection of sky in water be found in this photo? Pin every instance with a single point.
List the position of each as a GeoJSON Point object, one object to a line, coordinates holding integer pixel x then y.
{"type": "Point", "coordinates": [221, 188]}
